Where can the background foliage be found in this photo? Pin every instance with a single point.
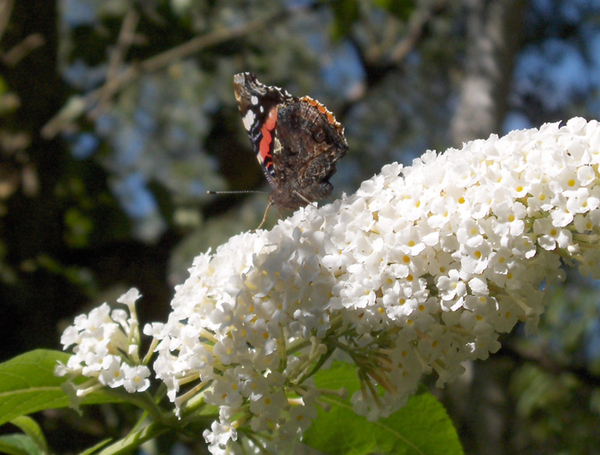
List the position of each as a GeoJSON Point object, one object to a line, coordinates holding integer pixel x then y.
{"type": "Point", "coordinates": [117, 116]}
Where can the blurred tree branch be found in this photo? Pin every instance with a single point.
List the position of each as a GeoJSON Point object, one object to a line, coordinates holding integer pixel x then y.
{"type": "Point", "coordinates": [116, 59]}
{"type": "Point", "coordinates": [5, 13]}
{"type": "Point", "coordinates": [416, 26]}
{"type": "Point", "coordinates": [20, 50]}
{"type": "Point", "coordinates": [118, 80]}
{"type": "Point", "coordinates": [549, 363]}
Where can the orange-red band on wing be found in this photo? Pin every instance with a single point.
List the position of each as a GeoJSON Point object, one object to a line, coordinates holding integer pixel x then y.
{"type": "Point", "coordinates": [266, 143]}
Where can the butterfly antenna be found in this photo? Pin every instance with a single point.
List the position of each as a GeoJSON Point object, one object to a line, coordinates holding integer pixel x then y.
{"type": "Point", "coordinates": [235, 192]}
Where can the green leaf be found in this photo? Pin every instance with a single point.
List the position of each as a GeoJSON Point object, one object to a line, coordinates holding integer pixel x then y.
{"type": "Point", "coordinates": [18, 444]}
{"type": "Point", "coordinates": [345, 14]}
{"type": "Point", "coordinates": [28, 384]}
{"type": "Point", "coordinates": [33, 430]}
{"type": "Point", "coordinates": [421, 427]}
{"type": "Point", "coordinates": [402, 9]}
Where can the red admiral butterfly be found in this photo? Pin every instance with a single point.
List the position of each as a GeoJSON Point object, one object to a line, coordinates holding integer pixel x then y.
{"type": "Point", "coordinates": [297, 141]}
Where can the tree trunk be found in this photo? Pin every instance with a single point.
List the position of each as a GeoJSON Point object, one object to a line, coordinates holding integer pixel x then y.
{"type": "Point", "coordinates": [493, 38]}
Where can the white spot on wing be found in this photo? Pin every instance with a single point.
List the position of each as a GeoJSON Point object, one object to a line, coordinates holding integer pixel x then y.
{"type": "Point", "coordinates": [254, 100]}
{"type": "Point", "coordinates": [249, 120]}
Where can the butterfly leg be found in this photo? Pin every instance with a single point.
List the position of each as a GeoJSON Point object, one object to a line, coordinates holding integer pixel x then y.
{"type": "Point", "coordinates": [265, 215]}
{"type": "Point", "coordinates": [302, 197]}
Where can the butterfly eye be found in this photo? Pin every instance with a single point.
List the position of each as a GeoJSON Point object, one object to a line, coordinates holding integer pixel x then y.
{"type": "Point", "coordinates": [319, 135]}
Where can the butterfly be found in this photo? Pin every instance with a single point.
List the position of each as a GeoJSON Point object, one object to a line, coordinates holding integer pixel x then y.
{"type": "Point", "coordinates": [297, 141]}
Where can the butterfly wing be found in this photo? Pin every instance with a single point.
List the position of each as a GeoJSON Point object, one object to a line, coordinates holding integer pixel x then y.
{"type": "Point", "coordinates": [258, 105]}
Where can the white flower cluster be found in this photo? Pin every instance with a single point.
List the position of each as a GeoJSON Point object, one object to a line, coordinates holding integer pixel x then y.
{"type": "Point", "coordinates": [417, 272]}
{"type": "Point", "coordinates": [106, 349]}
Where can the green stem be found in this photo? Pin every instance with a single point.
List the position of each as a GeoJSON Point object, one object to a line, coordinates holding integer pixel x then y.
{"type": "Point", "coordinates": [141, 400]}
{"type": "Point", "coordinates": [135, 439]}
